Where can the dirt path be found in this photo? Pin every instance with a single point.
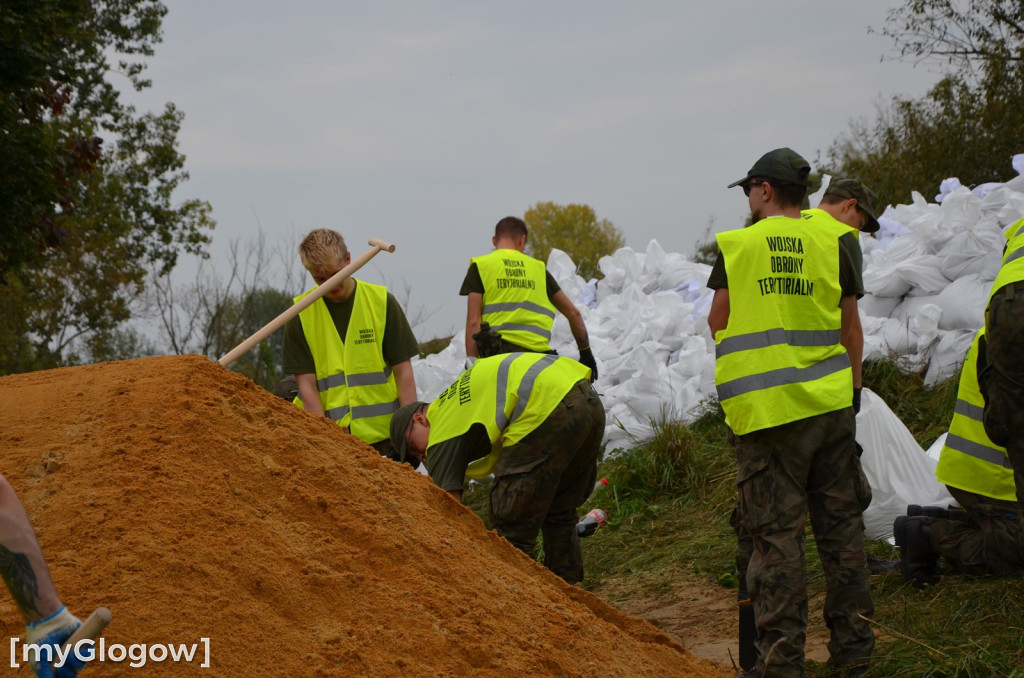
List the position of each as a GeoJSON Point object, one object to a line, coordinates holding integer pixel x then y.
{"type": "Point", "coordinates": [702, 616]}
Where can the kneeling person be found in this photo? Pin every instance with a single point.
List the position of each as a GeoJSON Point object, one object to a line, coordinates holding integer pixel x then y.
{"type": "Point", "coordinates": [536, 423]}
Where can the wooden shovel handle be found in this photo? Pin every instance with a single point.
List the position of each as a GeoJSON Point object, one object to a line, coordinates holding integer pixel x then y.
{"type": "Point", "coordinates": [91, 628]}
{"type": "Point", "coordinates": [328, 285]}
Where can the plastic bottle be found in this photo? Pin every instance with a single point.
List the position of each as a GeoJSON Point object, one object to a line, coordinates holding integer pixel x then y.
{"type": "Point", "coordinates": [600, 484]}
{"type": "Point", "coordinates": [590, 522]}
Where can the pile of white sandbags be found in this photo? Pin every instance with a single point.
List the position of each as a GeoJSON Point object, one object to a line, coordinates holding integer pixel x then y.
{"type": "Point", "coordinates": [927, 272]}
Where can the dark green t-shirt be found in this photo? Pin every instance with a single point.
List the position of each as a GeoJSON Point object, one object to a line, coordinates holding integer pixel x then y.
{"type": "Point", "coordinates": [447, 462]}
{"type": "Point", "coordinates": [850, 279]}
{"type": "Point", "coordinates": [474, 283]}
{"type": "Point", "coordinates": [399, 343]}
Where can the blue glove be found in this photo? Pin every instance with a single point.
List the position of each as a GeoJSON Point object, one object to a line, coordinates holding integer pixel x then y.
{"type": "Point", "coordinates": [587, 358]}
{"type": "Point", "coordinates": [54, 631]}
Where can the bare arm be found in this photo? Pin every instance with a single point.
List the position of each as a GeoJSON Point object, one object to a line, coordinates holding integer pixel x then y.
{"type": "Point", "coordinates": [852, 336]}
{"type": "Point", "coordinates": [456, 493]}
{"type": "Point", "coordinates": [474, 311]}
{"type": "Point", "coordinates": [405, 381]}
{"type": "Point", "coordinates": [309, 393]}
{"type": "Point", "coordinates": [21, 560]}
{"type": "Point", "coordinates": [718, 316]}
{"type": "Point", "coordinates": [575, 318]}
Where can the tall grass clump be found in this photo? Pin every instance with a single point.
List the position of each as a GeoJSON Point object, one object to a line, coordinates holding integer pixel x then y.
{"type": "Point", "coordinates": [678, 463]}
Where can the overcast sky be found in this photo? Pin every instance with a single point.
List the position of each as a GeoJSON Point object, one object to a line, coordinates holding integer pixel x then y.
{"type": "Point", "coordinates": [423, 122]}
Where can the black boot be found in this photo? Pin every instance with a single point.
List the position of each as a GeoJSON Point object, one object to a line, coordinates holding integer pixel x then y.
{"type": "Point", "coordinates": [918, 562]}
{"type": "Point", "coordinates": [878, 565]}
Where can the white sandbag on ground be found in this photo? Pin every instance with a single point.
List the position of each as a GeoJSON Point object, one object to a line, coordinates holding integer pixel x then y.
{"type": "Point", "coordinates": [899, 471]}
{"type": "Point", "coordinates": [963, 303]}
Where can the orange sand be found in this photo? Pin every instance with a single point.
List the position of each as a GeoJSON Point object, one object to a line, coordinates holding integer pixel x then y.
{"type": "Point", "coordinates": [194, 504]}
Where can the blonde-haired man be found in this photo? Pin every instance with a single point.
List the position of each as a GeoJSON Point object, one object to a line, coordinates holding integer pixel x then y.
{"type": "Point", "coordinates": [350, 349]}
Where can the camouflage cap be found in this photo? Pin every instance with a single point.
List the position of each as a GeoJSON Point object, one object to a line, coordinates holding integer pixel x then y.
{"type": "Point", "coordinates": [852, 187]}
{"type": "Point", "coordinates": [400, 422]}
{"type": "Point", "coordinates": [783, 164]}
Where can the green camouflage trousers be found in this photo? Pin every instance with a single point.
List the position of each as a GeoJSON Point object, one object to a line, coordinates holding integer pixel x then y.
{"type": "Point", "coordinates": [785, 474]}
{"type": "Point", "coordinates": [1001, 376]}
{"type": "Point", "coordinates": [986, 541]}
{"type": "Point", "coordinates": [541, 481]}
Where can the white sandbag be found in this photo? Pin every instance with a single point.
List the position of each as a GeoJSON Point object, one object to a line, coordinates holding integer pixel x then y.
{"type": "Point", "coordinates": [960, 211]}
{"type": "Point", "coordinates": [924, 274]}
{"type": "Point", "coordinates": [1016, 184]}
{"type": "Point", "coordinates": [646, 362]}
{"type": "Point", "coordinates": [436, 372]}
{"type": "Point", "coordinates": [563, 270]}
{"type": "Point", "coordinates": [899, 471]}
{"type": "Point", "coordinates": [947, 355]}
{"type": "Point", "coordinates": [974, 251]}
{"type": "Point", "coordinates": [880, 307]}
{"type": "Point", "coordinates": [912, 307]}
{"type": "Point", "coordinates": [625, 429]}
{"type": "Point", "coordinates": [882, 266]}
{"type": "Point", "coordinates": [925, 221]}
{"type": "Point", "coordinates": [618, 269]}
{"type": "Point", "coordinates": [889, 228]}
{"type": "Point", "coordinates": [885, 338]}
{"type": "Point", "coordinates": [963, 303]}
{"type": "Point", "coordinates": [924, 324]}
{"type": "Point", "coordinates": [946, 187]}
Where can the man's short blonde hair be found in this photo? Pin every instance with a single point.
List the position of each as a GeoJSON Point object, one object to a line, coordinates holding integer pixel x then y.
{"type": "Point", "coordinates": [322, 249]}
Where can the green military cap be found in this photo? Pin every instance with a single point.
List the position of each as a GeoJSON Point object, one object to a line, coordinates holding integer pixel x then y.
{"type": "Point", "coordinates": [852, 187]}
{"type": "Point", "coordinates": [400, 422]}
{"type": "Point", "coordinates": [783, 164]}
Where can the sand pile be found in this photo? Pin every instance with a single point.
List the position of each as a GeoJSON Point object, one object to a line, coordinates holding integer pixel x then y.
{"type": "Point", "coordinates": [193, 504]}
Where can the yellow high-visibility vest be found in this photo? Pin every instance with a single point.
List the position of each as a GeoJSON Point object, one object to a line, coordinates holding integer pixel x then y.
{"type": "Point", "coordinates": [969, 460]}
{"type": "Point", "coordinates": [1014, 229]}
{"type": "Point", "coordinates": [357, 389]}
{"type": "Point", "coordinates": [779, 358]}
{"type": "Point", "coordinates": [510, 394]}
{"type": "Point", "coordinates": [816, 215]}
{"type": "Point", "coordinates": [515, 299]}
{"type": "Point", "coordinates": [1012, 268]}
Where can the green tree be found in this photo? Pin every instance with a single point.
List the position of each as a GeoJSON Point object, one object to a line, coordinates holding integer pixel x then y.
{"type": "Point", "coordinates": [219, 310]}
{"type": "Point", "coordinates": [966, 36]}
{"type": "Point", "coordinates": [86, 188]}
{"type": "Point", "coordinates": [575, 230]}
{"type": "Point", "coordinates": [957, 130]}
{"type": "Point", "coordinates": [968, 125]}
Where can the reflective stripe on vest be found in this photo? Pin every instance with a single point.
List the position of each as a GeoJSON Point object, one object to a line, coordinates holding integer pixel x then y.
{"type": "Point", "coordinates": [357, 389]}
{"type": "Point", "coordinates": [779, 358]}
{"type": "Point", "coordinates": [510, 395]}
{"type": "Point", "coordinates": [1014, 255]}
{"type": "Point", "coordinates": [515, 299]}
{"type": "Point", "coordinates": [969, 460]}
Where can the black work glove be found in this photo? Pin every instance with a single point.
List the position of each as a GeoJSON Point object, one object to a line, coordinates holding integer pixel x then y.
{"type": "Point", "coordinates": [856, 401]}
{"type": "Point", "coordinates": [587, 358]}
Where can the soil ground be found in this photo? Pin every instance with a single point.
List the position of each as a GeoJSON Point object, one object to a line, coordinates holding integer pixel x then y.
{"type": "Point", "coordinates": [194, 505]}
{"type": "Point", "coordinates": [701, 616]}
